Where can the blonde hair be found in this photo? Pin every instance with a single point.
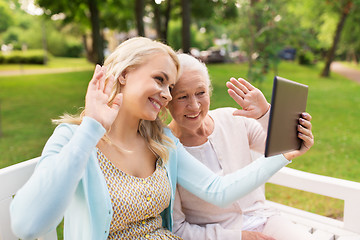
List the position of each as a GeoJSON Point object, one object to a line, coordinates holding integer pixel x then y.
{"type": "Point", "coordinates": [126, 57]}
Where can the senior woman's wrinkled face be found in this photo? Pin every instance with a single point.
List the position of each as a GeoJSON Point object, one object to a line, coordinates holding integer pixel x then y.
{"type": "Point", "coordinates": [190, 99]}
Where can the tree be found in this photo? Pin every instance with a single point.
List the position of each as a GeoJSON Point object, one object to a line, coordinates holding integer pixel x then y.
{"type": "Point", "coordinates": [5, 16]}
{"type": "Point", "coordinates": [185, 16]}
{"type": "Point", "coordinates": [162, 17]}
{"type": "Point", "coordinates": [349, 46]}
{"type": "Point", "coordinates": [204, 14]}
{"type": "Point", "coordinates": [97, 39]}
{"type": "Point", "coordinates": [139, 14]}
{"type": "Point", "coordinates": [119, 15]}
{"type": "Point", "coordinates": [261, 33]}
{"type": "Point", "coordinates": [86, 12]}
{"type": "Point", "coordinates": [344, 8]}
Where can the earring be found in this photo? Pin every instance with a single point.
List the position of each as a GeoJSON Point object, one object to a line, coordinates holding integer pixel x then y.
{"type": "Point", "coordinates": [122, 80]}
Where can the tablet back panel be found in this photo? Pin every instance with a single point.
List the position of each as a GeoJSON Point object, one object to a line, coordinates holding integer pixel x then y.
{"type": "Point", "coordinates": [288, 101]}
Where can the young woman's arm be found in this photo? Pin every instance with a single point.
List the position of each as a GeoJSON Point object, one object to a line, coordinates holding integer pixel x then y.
{"type": "Point", "coordinates": [39, 205]}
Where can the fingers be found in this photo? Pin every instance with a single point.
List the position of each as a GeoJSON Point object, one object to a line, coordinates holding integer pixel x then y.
{"type": "Point", "coordinates": [307, 137]}
{"type": "Point", "coordinates": [109, 85]}
{"type": "Point", "coordinates": [246, 84]}
{"type": "Point", "coordinates": [99, 80]}
{"type": "Point", "coordinates": [305, 119]}
{"type": "Point", "coordinates": [306, 116]}
{"type": "Point", "coordinates": [236, 97]}
{"type": "Point", "coordinates": [95, 78]}
{"type": "Point", "coordinates": [305, 132]}
{"type": "Point", "coordinates": [237, 87]}
{"type": "Point", "coordinates": [102, 79]}
{"type": "Point", "coordinates": [233, 90]}
{"type": "Point", "coordinates": [97, 68]}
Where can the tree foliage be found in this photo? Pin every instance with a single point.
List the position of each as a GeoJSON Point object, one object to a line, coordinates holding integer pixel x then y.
{"type": "Point", "coordinates": [259, 29]}
{"type": "Point", "coordinates": [343, 8]}
{"type": "Point", "coordinates": [84, 11]}
{"type": "Point", "coordinates": [27, 32]}
{"type": "Point", "coordinates": [5, 16]}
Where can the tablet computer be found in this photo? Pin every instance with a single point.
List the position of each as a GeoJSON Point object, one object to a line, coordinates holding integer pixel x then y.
{"type": "Point", "coordinates": [288, 101]}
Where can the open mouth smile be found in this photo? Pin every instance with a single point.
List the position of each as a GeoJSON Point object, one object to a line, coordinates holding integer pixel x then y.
{"type": "Point", "coordinates": [157, 105]}
{"type": "Point", "coordinates": [193, 116]}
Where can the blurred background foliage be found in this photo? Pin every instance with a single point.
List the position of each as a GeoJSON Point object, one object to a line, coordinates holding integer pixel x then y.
{"type": "Point", "coordinates": [255, 31]}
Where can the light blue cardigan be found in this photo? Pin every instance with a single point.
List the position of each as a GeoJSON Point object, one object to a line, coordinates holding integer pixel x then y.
{"type": "Point", "coordinates": [68, 183]}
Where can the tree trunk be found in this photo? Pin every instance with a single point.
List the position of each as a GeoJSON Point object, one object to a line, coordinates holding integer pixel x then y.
{"type": "Point", "coordinates": [139, 13]}
{"type": "Point", "coordinates": [185, 5]}
{"type": "Point", "coordinates": [157, 17]}
{"type": "Point", "coordinates": [97, 41]}
{"type": "Point", "coordinates": [162, 22]}
{"type": "Point", "coordinates": [86, 47]}
{"type": "Point", "coordinates": [167, 19]}
{"type": "Point", "coordinates": [331, 53]}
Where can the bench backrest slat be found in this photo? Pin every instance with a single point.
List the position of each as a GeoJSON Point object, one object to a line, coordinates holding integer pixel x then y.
{"type": "Point", "coordinates": [12, 178]}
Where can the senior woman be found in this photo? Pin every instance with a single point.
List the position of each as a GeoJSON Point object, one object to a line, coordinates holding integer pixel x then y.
{"type": "Point", "coordinates": [223, 139]}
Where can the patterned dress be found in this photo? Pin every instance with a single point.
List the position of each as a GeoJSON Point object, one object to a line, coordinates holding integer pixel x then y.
{"type": "Point", "coordinates": [137, 202]}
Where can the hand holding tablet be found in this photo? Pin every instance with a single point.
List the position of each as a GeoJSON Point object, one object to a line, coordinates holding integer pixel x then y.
{"type": "Point", "coordinates": [288, 102]}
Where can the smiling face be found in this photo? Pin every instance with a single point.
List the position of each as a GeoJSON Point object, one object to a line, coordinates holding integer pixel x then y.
{"type": "Point", "coordinates": [146, 89]}
{"type": "Point", "coordinates": [191, 100]}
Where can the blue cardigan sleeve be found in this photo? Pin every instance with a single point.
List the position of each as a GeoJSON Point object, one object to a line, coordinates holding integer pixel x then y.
{"type": "Point", "coordinates": [39, 205]}
{"type": "Point", "coordinates": [223, 190]}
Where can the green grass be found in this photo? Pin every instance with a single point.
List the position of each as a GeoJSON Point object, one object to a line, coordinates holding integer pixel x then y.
{"type": "Point", "coordinates": [54, 62]}
{"type": "Point", "coordinates": [29, 102]}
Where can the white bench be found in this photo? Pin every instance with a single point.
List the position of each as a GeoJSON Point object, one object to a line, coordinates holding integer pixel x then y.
{"type": "Point", "coordinates": [11, 179]}
{"type": "Point", "coordinates": [324, 228]}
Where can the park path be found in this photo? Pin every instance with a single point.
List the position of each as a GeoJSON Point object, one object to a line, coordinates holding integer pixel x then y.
{"type": "Point", "coordinates": [350, 73]}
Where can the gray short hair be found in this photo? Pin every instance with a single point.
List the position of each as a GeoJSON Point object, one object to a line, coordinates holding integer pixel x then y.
{"type": "Point", "coordinates": [190, 63]}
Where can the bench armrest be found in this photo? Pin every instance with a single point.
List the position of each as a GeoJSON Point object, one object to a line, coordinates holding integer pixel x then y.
{"type": "Point", "coordinates": [348, 191]}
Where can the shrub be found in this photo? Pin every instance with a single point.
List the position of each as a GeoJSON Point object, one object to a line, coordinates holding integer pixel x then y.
{"type": "Point", "coordinates": [28, 57]}
{"type": "Point", "coordinates": [74, 49]}
{"type": "Point", "coordinates": [306, 58]}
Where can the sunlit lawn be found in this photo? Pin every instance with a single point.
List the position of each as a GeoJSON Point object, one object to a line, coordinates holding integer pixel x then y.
{"type": "Point", "coordinates": [54, 62]}
{"type": "Point", "coordinates": [29, 102]}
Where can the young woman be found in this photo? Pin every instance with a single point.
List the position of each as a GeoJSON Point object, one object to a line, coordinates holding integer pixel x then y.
{"type": "Point", "coordinates": [112, 171]}
{"type": "Point", "coordinates": [223, 139]}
